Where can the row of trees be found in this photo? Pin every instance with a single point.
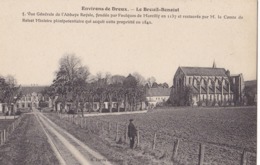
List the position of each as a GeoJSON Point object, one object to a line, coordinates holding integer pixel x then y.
{"type": "Point", "coordinates": [10, 92]}
{"type": "Point", "coordinates": [74, 83]}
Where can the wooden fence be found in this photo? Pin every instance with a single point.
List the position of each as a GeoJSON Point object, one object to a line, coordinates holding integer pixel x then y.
{"type": "Point", "coordinates": [5, 134]}
{"type": "Point", "coordinates": [118, 132]}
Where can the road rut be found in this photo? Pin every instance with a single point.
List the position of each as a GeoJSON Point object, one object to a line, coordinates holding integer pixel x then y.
{"type": "Point", "coordinates": [68, 149]}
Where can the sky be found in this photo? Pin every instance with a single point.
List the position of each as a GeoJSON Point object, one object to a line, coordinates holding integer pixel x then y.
{"type": "Point", "coordinates": [31, 51]}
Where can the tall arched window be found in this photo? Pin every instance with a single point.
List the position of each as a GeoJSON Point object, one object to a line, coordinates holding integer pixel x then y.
{"type": "Point", "coordinates": [195, 82]}
{"type": "Point", "coordinates": [217, 82]}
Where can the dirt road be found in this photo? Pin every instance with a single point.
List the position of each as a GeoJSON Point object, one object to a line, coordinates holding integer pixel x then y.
{"type": "Point", "coordinates": [67, 148]}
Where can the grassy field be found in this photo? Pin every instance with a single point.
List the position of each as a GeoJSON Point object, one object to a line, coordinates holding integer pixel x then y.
{"type": "Point", "coordinates": [27, 145]}
{"type": "Point", "coordinates": [224, 131]}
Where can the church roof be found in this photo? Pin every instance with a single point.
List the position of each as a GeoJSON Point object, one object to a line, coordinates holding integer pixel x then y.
{"type": "Point", "coordinates": [158, 92]}
{"type": "Point", "coordinates": [30, 89]}
{"type": "Point", "coordinates": [203, 71]}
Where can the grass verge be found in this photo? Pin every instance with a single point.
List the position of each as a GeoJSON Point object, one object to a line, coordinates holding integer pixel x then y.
{"type": "Point", "coordinates": [27, 145]}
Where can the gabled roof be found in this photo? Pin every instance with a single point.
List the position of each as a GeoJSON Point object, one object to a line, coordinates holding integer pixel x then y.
{"type": "Point", "coordinates": [158, 92]}
{"type": "Point", "coordinates": [203, 71]}
{"type": "Point", "coordinates": [30, 89]}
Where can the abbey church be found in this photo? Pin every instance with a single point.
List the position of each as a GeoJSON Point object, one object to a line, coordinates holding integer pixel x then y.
{"type": "Point", "coordinates": [207, 86]}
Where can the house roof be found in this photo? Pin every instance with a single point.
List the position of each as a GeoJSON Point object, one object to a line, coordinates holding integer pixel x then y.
{"type": "Point", "coordinates": [203, 71]}
{"type": "Point", "coordinates": [158, 92]}
{"type": "Point", "coordinates": [251, 83]}
{"type": "Point", "coordinates": [30, 89]}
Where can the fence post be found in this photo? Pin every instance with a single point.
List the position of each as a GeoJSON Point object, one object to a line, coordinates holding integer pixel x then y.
{"type": "Point", "coordinates": [154, 141]}
{"type": "Point", "coordinates": [243, 158]}
{"type": "Point", "coordinates": [13, 126]}
{"type": "Point", "coordinates": [126, 132]}
{"type": "Point", "coordinates": [201, 154]}
{"type": "Point", "coordinates": [88, 124]}
{"type": "Point", "coordinates": [4, 134]}
{"type": "Point", "coordinates": [102, 128]}
{"type": "Point", "coordinates": [109, 127]}
{"type": "Point", "coordinates": [96, 127]}
{"type": "Point", "coordinates": [116, 131]}
{"type": "Point", "coordinates": [138, 137]}
{"type": "Point", "coordinates": [81, 122]}
{"type": "Point", "coordinates": [1, 142]}
{"type": "Point", "coordinates": [175, 150]}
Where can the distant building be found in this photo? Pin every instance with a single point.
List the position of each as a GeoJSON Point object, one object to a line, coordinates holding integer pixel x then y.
{"type": "Point", "coordinates": [208, 86]}
{"type": "Point", "coordinates": [31, 97]}
{"type": "Point", "coordinates": [157, 95]}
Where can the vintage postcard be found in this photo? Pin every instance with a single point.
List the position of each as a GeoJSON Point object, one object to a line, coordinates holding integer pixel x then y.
{"type": "Point", "coordinates": [128, 82]}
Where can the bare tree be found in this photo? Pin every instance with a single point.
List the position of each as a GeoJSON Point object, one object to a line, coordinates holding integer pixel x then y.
{"type": "Point", "coordinates": [139, 78]}
{"type": "Point", "coordinates": [102, 82]}
{"type": "Point", "coordinates": [150, 81]}
{"type": "Point", "coordinates": [116, 79]}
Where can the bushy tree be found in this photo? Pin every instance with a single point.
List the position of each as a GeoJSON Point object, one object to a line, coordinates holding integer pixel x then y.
{"type": "Point", "coordinates": [9, 91]}
{"type": "Point", "coordinates": [250, 94]}
{"type": "Point", "coordinates": [184, 97]}
{"type": "Point", "coordinates": [70, 79]}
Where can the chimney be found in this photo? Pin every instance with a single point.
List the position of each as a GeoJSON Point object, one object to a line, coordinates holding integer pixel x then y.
{"type": "Point", "coordinates": [214, 64]}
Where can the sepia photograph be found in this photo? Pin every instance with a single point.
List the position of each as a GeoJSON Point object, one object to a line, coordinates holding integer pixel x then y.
{"type": "Point", "coordinates": [135, 82]}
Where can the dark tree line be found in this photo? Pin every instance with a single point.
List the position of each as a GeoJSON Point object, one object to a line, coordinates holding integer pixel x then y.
{"type": "Point", "coordinates": [74, 83]}
{"type": "Point", "coordinates": [9, 91]}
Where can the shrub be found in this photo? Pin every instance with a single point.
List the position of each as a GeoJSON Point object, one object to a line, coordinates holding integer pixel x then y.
{"type": "Point", "coordinates": [71, 112]}
{"type": "Point", "coordinates": [231, 103]}
{"type": "Point", "coordinates": [43, 104]}
{"type": "Point", "coordinates": [105, 110]}
{"type": "Point", "coordinates": [220, 103]}
{"type": "Point", "coordinates": [199, 103]}
{"type": "Point", "coordinates": [225, 103]}
{"type": "Point", "coordinates": [209, 103]}
{"type": "Point", "coordinates": [214, 103]}
{"type": "Point", "coordinates": [203, 103]}
{"type": "Point", "coordinates": [18, 112]}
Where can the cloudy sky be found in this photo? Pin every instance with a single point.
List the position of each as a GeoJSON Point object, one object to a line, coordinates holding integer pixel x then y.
{"type": "Point", "coordinates": [31, 51]}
